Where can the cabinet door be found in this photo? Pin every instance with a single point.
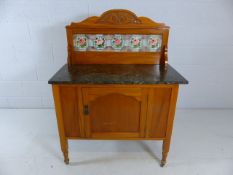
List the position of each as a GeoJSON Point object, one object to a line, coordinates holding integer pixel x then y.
{"type": "Point", "coordinates": [114, 112]}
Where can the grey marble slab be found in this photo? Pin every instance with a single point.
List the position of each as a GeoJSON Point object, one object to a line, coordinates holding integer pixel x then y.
{"type": "Point", "coordinates": [117, 74]}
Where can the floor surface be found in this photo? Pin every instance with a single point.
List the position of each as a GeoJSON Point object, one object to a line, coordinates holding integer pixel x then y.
{"type": "Point", "coordinates": [202, 144]}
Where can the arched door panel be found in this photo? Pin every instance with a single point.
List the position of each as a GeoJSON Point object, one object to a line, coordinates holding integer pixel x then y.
{"type": "Point", "coordinates": [114, 112]}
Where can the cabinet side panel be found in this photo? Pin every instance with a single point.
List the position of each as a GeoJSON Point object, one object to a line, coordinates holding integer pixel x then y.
{"type": "Point", "coordinates": [158, 109]}
{"type": "Point", "coordinates": [70, 111]}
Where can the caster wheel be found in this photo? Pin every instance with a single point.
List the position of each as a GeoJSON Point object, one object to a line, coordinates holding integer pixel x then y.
{"type": "Point", "coordinates": [66, 161]}
{"type": "Point", "coordinates": [162, 164]}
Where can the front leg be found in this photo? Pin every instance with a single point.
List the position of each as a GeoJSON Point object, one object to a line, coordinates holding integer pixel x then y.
{"type": "Point", "coordinates": [66, 156]}
{"type": "Point", "coordinates": [166, 147]}
{"type": "Point", "coordinates": [167, 140]}
{"type": "Point", "coordinates": [64, 148]}
{"type": "Point", "coordinates": [61, 130]}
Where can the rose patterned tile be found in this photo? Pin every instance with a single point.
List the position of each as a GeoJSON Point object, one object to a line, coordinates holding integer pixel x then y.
{"type": "Point", "coordinates": [117, 42]}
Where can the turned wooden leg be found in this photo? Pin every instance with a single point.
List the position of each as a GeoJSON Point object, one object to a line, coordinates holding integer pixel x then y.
{"type": "Point", "coordinates": [64, 148]}
{"type": "Point", "coordinates": [166, 147]}
{"type": "Point", "coordinates": [163, 161]}
{"type": "Point", "coordinates": [66, 157]}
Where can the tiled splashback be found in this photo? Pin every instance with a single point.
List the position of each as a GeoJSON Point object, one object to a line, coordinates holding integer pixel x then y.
{"type": "Point", "coordinates": [117, 42]}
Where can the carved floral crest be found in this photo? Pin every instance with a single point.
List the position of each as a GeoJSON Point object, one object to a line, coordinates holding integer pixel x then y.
{"type": "Point", "coordinates": [118, 17]}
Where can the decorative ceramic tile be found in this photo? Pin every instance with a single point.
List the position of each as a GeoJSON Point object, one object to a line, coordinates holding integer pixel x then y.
{"type": "Point", "coordinates": [99, 42]}
{"type": "Point", "coordinates": [117, 42]}
{"type": "Point", "coordinates": [154, 42]}
{"type": "Point", "coordinates": [81, 42]}
{"type": "Point", "coordinates": [136, 42]}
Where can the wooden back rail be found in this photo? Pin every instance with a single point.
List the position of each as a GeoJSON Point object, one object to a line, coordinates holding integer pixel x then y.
{"type": "Point", "coordinates": [121, 22]}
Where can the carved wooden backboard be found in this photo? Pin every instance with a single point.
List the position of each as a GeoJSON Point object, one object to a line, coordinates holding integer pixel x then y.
{"type": "Point", "coordinates": [117, 37]}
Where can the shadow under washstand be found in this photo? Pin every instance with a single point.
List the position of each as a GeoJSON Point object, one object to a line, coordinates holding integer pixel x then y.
{"type": "Point", "coordinates": [112, 158]}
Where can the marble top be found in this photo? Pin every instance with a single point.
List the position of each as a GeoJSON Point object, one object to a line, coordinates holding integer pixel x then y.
{"type": "Point", "coordinates": [117, 74]}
